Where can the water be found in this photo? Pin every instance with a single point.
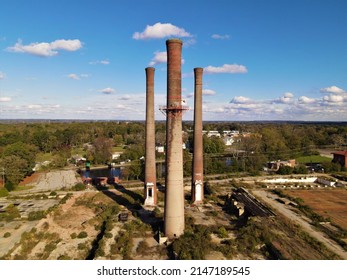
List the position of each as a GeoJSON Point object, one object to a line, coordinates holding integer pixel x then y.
{"type": "Point", "coordinates": [102, 172]}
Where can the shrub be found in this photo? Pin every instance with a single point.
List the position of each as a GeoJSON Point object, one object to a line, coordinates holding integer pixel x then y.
{"type": "Point", "coordinates": [11, 213]}
{"type": "Point", "coordinates": [3, 192]}
{"type": "Point", "coordinates": [142, 248]}
{"type": "Point", "coordinates": [36, 215]}
{"type": "Point", "coordinates": [7, 234]}
{"type": "Point", "coordinates": [73, 235]}
{"type": "Point", "coordinates": [81, 246]}
{"type": "Point", "coordinates": [222, 232]}
{"type": "Point", "coordinates": [82, 234]}
{"type": "Point", "coordinates": [108, 235]}
{"type": "Point", "coordinates": [64, 257]}
{"type": "Point", "coordinates": [193, 245]}
{"type": "Point", "coordinates": [100, 252]}
{"type": "Point", "coordinates": [79, 187]}
{"type": "Point", "coordinates": [9, 186]}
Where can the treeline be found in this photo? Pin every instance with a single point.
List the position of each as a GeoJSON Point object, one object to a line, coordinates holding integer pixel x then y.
{"type": "Point", "coordinates": [20, 143]}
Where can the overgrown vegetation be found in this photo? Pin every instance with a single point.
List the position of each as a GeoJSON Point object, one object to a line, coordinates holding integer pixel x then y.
{"type": "Point", "coordinates": [11, 213]}
{"type": "Point", "coordinates": [21, 143]}
{"type": "Point", "coordinates": [194, 244]}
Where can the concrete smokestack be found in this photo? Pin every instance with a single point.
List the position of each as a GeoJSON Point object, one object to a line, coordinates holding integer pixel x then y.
{"type": "Point", "coordinates": [150, 167]}
{"type": "Point", "coordinates": [174, 195]}
{"type": "Point", "coordinates": [198, 161]}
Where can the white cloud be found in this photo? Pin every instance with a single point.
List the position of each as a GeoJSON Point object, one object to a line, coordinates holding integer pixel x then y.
{"type": "Point", "coordinates": [226, 68]}
{"type": "Point", "coordinates": [286, 98]}
{"type": "Point", "coordinates": [160, 30]}
{"type": "Point", "coordinates": [333, 98]}
{"type": "Point", "coordinates": [241, 100]}
{"type": "Point", "coordinates": [332, 89]}
{"type": "Point", "coordinates": [34, 106]}
{"type": "Point", "coordinates": [2, 75]}
{"type": "Point", "coordinates": [189, 42]}
{"type": "Point", "coordinates": [208, 92]}
{"type": "Point", "coordinates": [46, 49]}
{"type": "Point", "coordinates": [104, 62]}
{"type": "Point", "coordinates": [306, 100]}
{"type": "Point", "coordinates": [73, 76]}
{"type": "Point", "coordinates": [108, 90]}
{"type": "Point", "coordinates": [159, 57]}
{"type": "Point", "coordinates": [220, 37]}
{"type": "Point", "coordinates": [5, 99]}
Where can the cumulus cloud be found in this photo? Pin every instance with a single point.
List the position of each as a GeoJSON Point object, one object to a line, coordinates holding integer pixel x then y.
{"type": "Point", "coordinates": [5, 99]}
{"type": "Point", "coordinates": [2, 75]}
{"type": "Point", "coordinates": [160, 30]}
{"type": "Point", "coordinates": [220, 37]}
{"type": "Point", "coordinates": [286, 98]}
{"type": "Point", "coordinates": [104, 62]}
{"type": "Point", "coordinates": [332, 89]}
{"type": "Point", "coordinates": [333, 98]}
{"type": "Point", "coordinates": [46, 49]}
{"type": "Point", "coordinates": [241, 100]}
{"type": "Point", "coordinates": [306, 100]}
{"type": "Point", "coordinates": [208, 92]}
{"type": "Point", "coordinates": [226, 68]}
{"type": "Point", "coordinates": [108, 90]}
{"type": "Point", "coordinates": [159, 57]}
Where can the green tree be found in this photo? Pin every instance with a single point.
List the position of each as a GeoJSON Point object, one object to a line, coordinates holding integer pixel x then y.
{"type": "Point", "coordinates": [213, 145]}
{"type": "Point", "coordinates": [102, 150]}
{"type": "Point", "coordinates": [285, 170]}
{"type": "Point", "coordinates": [15, 168]}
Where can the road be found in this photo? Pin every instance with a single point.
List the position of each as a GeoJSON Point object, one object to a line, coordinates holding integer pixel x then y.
{"type": "Point", "coordinates": [269, 198]}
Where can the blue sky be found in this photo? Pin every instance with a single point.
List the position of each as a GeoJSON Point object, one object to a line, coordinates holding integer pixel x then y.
{"type": "Point", "coordinates": [262, 60]}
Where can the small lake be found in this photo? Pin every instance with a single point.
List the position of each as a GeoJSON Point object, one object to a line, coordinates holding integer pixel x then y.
{"type": "Point", "coordinates": [102, 172]}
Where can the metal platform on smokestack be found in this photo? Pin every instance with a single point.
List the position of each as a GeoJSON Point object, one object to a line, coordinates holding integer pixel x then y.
{"type": "Point", "coordinates": [179, 108]}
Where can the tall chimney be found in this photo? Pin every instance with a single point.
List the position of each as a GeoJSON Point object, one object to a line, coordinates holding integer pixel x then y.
{"type": "Point", "coordinates": [198, 169]}
{"type": "Point", "coordinates": [150, 167]}
{"type": "Point", "coordinates": [174, 194]}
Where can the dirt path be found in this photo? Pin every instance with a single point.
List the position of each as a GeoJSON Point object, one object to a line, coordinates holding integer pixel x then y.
{"type": "Point", "coordinates": [269, 198]}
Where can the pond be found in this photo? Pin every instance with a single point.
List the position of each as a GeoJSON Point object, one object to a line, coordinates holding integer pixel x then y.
{"type": "Point", "coordinates": [102, 172]}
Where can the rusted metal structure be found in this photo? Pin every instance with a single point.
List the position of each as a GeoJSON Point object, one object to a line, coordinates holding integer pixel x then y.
{"type": "Point", "coordinates": [174, 189]}
{"type": "Point", "coordinates": [197, 191]}
{"type": "Point", "coordinates": [150, 167]}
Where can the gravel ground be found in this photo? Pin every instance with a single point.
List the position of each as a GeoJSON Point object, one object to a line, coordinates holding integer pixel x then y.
{"type": "Point", "coordinates": [56, 180]}
{"type": "Point", "coordinates": [302, 221]}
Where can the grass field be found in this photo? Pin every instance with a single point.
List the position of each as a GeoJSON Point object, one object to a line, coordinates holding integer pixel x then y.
{"type": "Point", "coordinates": [315, 159]}
{"type": "Point", "coordinates": [327, 203]}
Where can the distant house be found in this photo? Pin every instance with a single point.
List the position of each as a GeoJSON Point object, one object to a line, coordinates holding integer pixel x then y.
{"type": "Point", "coordinates": [340, 157]}
{"type": "Point", "coordinates": [159, 149]}
{"type": "Point", "coordinates": [116, 155]}
{"type": "Point", "coordinates": [275, 165]}
{"type": "Point", "coordinates": [214, 133]}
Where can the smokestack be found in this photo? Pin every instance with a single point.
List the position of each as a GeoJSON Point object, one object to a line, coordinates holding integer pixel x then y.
{"type": "Point", "coordinates": [174, 195]}
{"type": "Point", "coordinates": [198, 169]}
{"type": "Point", "coordinates": [150, 167]}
